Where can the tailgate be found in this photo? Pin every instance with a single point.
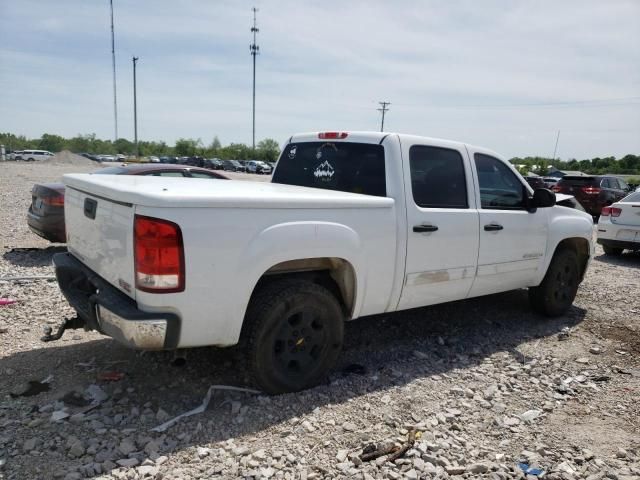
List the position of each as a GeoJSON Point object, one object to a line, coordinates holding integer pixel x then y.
{"type": "Point", "coordinates": [100, 234]}
{"type": "Point", "coordinates": [629, 214]}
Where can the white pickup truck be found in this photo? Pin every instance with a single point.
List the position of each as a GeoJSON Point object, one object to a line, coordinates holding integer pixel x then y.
{"type": "Point", "coordinates": [352, 224]}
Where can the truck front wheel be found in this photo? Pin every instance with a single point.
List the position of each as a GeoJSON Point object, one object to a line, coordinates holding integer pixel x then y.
{"type": "Point", "coordinates": [293, 335]}
{"type": "Point", "coordinates": [558, 289]}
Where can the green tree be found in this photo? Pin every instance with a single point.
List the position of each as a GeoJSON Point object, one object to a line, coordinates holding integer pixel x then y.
{"type": "Point", "coordinates": [187, 147]}
{"type": "Point", "coordinates": [53, 143]}
{"type": "Point", "coordinates": [268, 150]}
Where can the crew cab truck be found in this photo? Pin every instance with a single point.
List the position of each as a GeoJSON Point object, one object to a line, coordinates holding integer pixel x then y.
{"type": "Point", "coordinates": [352, 224]}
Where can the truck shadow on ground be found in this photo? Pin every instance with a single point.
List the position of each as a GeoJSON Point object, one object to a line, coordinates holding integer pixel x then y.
{"type": "Point", "coordinates": [627, 259]}
{"type": "Point", "coordinates": [32, 257]}
{"type": "Point", "coordinates": [379, 355]}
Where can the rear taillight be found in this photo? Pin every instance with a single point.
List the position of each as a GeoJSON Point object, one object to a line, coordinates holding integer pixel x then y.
{"type": "Point", "coordinates": [57, 201]}
{"type": "Point", "coordinates": [159, 255]}
{"type": "Point", "coordinates": [556, 188]}
{"type": "Point", "coordinates": [613, 211]}
{"type": "Point", "coordinates": [332, 135]}
{"type": "Point", "coordinates": [591, 190]}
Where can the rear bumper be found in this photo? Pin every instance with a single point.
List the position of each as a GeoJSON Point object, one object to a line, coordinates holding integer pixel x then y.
{"type": "Point", "coordinates": [50, 228]}
{"type": "Point", "coordinates": [619, 244]}
{"type": "Point", "coordinates": [109, 311]}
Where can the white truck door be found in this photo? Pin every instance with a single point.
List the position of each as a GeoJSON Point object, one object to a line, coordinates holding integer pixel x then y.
{"type": "Point", "coordinates": [442, 223]}
{"type": "Point", "coordinates": [512, 239]}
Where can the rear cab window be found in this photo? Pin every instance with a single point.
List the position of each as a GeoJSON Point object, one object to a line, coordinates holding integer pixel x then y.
{"type": "Point", "coordinates": [342, 166]}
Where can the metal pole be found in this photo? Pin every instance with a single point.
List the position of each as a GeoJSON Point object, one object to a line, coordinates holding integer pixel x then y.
{"type": "Point", "coordinates": [113, 65]}
{"type": "Point", "coordinates": [254, 49]}
{"type": "Point", "coordinates": [555, 149]}
{"type": "Point", "coordinates": [135, 108]}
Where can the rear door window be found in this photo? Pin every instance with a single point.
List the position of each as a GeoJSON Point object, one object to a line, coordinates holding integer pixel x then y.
{"type": "Point", "coordinates": [342, 166]}
{"type": "Point", "coordinates": [437, 177]}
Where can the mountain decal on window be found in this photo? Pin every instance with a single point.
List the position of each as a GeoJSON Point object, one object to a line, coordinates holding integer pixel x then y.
{"type": "Point", "coordinates": [324, 171]}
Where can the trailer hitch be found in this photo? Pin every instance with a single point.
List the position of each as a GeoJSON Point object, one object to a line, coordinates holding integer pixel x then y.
{"type": "Point", "coordinates": [71, 323]}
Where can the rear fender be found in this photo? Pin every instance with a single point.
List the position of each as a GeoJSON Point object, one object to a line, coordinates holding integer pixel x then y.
{"type": "Point", "coordinates": [301, 240]}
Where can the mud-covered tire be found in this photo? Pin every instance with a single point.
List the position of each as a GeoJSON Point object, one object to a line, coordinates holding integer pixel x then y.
{"type": "Point", "coordinates": [612, 250]}
{"type": "Point", "coordinates": [292, 335]}
{"type": "Point", "coordinates": [555, 295]}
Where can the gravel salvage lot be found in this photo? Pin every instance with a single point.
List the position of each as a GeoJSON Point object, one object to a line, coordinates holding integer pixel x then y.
{"type": "Point", "coordinates": [485, 383]}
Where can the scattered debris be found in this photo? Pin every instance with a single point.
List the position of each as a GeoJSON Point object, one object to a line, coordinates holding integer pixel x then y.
{"type": "Point", "coordinates": [22, 279]}
{"type": "Point", "coordinates": [583, 360]}
{"type": "Point", "coordinates": [7, 301]}
{"type": "Point", "coordinates": [536, 472]}
{"type": "Point", "coordinates": [595, 350]}
{"type": "Point", "coordinates": [371, 451]}
{"type": "Point", "coordinates": [110, 376]}
{"type": "Point", "coordinates": [203, 406]}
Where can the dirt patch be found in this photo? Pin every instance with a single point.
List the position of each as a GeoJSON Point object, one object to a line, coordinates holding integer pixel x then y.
{"type": "Point", "coordinates": [69, 158]}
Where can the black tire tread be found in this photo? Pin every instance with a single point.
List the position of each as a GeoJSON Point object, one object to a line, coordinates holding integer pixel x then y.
{"type": "Point", "coordinates": [615, 251]}
{"type": "Point", "coordinates": [538, 296]}
{"type": "Point", "coordinates": [264, 299]}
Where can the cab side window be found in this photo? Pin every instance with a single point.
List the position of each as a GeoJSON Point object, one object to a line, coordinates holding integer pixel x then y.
{"type": "Point", "coordinates": [499, 186]}
{"type": "Point", "coordinates": [437, 177]}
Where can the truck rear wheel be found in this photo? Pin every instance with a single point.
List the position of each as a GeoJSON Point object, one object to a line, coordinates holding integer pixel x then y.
{"type": "Point", "coordinates": [294, 332]}
{"type": "Point", "coordinates": [558, 289]}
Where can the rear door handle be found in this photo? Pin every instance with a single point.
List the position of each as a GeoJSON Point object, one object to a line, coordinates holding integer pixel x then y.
{"type": "Point", "coordinates": [493, 227]}
{"type": "Point", "coordinates": [425, 228]}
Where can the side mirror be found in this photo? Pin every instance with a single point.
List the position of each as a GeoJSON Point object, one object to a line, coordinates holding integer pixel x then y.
{"type": "Point", "coordinates": [543, 198]}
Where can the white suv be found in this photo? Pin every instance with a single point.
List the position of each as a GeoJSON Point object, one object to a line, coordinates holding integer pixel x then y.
{"type": "Point", "coordinates": [32, 155]}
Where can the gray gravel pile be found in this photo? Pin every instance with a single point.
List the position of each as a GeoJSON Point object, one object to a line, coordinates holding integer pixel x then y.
{"type": "Point", "coordinates": [486, 388]}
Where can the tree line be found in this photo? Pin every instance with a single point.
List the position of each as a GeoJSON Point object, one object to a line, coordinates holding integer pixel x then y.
{"type": "Point", "coordinates": [627, 165]}
{"type": "Point", "coordinates": [266, 150]}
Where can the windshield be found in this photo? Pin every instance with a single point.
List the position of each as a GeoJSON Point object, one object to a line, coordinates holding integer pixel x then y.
{"type": "Point", "coordinates": [633, 197]}
{"type": "Point", "coordinates": [342, 166]}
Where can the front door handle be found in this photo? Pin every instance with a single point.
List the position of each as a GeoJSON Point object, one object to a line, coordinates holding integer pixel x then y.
{"type": "Point", "coordinates": [493, 227]}
{"type": "Point", "coordinates": [425, 228]}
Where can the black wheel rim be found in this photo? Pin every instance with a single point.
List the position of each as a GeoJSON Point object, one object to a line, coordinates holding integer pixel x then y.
{"type": "Point", "coordinates": [565, 284]}
{"type": "Point", "coordinates": [300, 343]}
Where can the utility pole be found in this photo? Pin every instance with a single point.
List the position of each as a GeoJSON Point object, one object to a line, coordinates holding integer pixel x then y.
{"type": "Point", "coordinates": [384, 110]}
{"type": "Point", "coordinates": [555, 149]}
{"type": "Point", "coordinates": [254, 49]}
{"type": "Point", "coordinates": [113, 65]}
{"type": "Point", "coordinates": [135, 108]}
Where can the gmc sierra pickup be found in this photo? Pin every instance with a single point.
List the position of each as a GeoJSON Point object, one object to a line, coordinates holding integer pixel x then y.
{"type": "Point", "coordinates": [352, 224]}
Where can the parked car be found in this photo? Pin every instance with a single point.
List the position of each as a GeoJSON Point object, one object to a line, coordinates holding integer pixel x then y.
{"type": "Point", "coordinates": [299, 256]}
{"type": "Point", "coordinates": [233, 166]}
{"type": "Point", "coordinates": [256, 166]}
{"type": "Point", "coordinates": [619, 225]}
{"type": "Point", "coordinates": [90, 156]}
{"type": "Point", "coordinates": [593, 192]}
{"type": "Point", "coordinates": [46, 212]}
{"type": "Point", "coordinates": [14, 155]}
{"type": "Point", "coordinates": [33, 155]}
{"type": "Point", "coordinates": [535, 182]}
{"type": "Point", "coordinates": [213, 164]}
{"type": "Point", "coordinates": [107, 158]}
{"type": "Point", "coordinates": [550, 182]}
{"type": "Point", "coordinates": [153, 159]}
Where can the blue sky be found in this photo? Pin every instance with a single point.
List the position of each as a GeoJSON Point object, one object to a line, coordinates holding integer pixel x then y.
{"type": "Point", "coordinates": [502, 74]}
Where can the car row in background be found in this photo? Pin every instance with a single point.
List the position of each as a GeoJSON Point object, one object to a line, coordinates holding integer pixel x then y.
{"type": "Point", "coordinates": [594, 192]}
{"type": "Point", "coordinates": [46, 212]}
{"type": "Point", "coordinates": [619, 225]}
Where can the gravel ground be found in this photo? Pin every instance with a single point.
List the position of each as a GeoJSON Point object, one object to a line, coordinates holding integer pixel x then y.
{"type": "Point", "coordinates": [482, 384]}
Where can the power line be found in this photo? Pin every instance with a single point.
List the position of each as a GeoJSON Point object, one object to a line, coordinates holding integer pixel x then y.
{"type": "Point", "coordinates": [384, 110]}
{"type": "Point", "coordinates": [254, 49]}
{"type": "Point", "coordinates": [113, 64]}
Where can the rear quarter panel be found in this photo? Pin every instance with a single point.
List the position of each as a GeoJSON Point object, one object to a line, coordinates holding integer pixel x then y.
{"type": "Point", "coordinates": [227, 250]}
